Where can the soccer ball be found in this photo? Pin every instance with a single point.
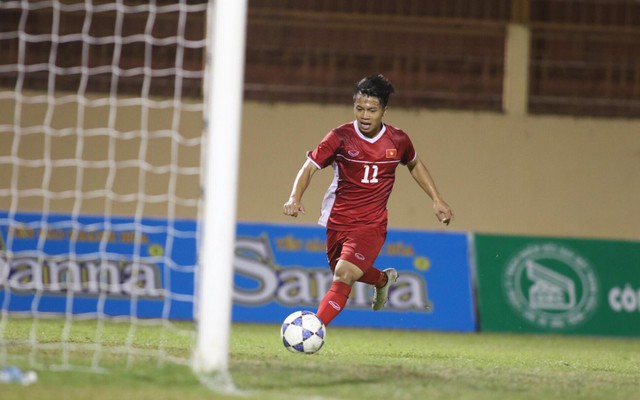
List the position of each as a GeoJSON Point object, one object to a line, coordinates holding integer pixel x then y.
{"type": "Point", "coordinates": [303, 332]}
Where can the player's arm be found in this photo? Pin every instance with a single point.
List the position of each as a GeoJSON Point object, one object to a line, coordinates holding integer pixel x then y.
{"type": "Point", "coordinates": [421, 174]}
{"type": "Point", "coordinates": [294, 205]}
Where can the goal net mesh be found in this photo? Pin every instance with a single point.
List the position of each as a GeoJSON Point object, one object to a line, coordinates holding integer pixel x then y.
{"type": "Point", "coordinates": [100, 148]}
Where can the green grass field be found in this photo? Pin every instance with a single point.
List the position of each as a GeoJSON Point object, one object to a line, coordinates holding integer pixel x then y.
{"type": "Point", "coordinates": [354, 364]}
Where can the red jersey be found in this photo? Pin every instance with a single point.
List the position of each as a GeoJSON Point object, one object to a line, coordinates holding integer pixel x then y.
{"type": "Point", "coordinates": [364, 174]}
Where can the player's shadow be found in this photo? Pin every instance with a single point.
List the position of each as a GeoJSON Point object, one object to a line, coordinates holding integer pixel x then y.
{"type": "Point", "coordinates": [311, 376]}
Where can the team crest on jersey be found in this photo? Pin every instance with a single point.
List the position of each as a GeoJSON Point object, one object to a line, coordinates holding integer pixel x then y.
{"type": "Point", "coordinates": [392, 153]}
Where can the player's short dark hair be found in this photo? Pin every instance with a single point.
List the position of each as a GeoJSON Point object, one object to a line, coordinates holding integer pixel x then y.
{"type": "Point", "coordinates": [374, 86]}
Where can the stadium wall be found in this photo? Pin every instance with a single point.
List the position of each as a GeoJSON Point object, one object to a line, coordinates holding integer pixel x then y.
{"type": "Point", "coordinates": [536, 175]}
{"type": "Point", "coordinates": [533, 175]}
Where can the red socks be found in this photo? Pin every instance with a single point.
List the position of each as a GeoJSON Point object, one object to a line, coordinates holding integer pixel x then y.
{"type": "Point", "coordinates": [336, 298]}
{"type": "Point", "coordinates": [374, 277]}
{"type": "Point", "coordinates": [333, 302]}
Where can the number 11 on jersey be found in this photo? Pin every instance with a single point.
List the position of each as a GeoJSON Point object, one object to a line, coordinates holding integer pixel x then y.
{"type": "Point", "coordinates": [373, 169]}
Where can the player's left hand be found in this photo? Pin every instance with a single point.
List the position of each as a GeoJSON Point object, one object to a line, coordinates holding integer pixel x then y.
{"type": "Point", "coordinates": [443, 211]}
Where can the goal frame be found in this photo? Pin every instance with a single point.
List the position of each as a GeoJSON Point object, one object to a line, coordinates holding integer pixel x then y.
{"type": "Point", "coordinates": [224, 77]}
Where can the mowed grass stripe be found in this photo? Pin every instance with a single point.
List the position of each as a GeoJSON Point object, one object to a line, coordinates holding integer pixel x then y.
{"type": "Point", "coordinates": [354, 364]}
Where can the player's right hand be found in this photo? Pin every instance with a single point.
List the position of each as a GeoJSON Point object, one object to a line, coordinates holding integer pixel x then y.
{"type": "Point", "coordinates": [292, 208]}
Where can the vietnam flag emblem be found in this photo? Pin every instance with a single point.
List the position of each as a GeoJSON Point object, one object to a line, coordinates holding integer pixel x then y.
{"type": "Point", "coordinates": [392, 153]}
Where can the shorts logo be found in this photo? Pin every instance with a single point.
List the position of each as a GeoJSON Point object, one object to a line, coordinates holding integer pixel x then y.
{"type": "Point", "coordinates": [551, 286]}
{"type": "Point", "coordinates": [334, 305]}
{"type": "Point", "coordinates": [359, 256]}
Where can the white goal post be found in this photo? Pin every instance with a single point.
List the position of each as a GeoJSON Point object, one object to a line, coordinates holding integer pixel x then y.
{"type": "Point", "coordinates": [223, 97]}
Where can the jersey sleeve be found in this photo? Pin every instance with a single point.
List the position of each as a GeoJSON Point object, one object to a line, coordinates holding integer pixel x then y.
{"type": "Point", "coordinates": [324, 154]}
{"type": "Point", "coordinates": [407, 150]}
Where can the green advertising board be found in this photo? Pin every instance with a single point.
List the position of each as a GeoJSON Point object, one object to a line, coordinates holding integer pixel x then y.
{"type": "Point", "coordinates": [554, 285]}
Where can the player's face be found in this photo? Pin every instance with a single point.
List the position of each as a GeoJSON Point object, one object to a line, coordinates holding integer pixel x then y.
{"type": "Point", "coordinates": [369, 113]}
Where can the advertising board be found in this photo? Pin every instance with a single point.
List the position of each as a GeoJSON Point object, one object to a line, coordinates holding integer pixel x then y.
{"type": "Point", "coordinates": [558, 285]}
{"type": "Point", "coordinates": [282, 268]}
{"type": "Point", "coordinates": [146, 268]}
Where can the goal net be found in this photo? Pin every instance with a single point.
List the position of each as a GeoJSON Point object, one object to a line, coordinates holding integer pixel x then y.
{"type": "Point", "coordinates": [101, 163]}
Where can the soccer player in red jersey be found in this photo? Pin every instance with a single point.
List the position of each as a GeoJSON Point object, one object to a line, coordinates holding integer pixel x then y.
{"type": "Point", "coordinates": [364, 154]}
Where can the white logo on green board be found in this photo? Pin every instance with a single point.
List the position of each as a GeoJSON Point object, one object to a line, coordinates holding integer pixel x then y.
{"type": "Point", "coordinates": [551, 286]}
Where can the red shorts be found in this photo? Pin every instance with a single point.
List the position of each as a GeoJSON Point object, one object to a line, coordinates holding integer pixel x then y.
{"type": "Point", "coordinates": [360, 247]}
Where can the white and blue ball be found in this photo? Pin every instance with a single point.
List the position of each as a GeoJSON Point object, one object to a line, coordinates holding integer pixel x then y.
{"type": "Point", "coordinates": [303, 332]}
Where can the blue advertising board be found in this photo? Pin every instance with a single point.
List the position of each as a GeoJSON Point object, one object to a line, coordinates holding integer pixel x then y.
{"type": "Point", "coordinates": [93, 265]}
{"type": "Point", "coordinates": [283, 268]}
